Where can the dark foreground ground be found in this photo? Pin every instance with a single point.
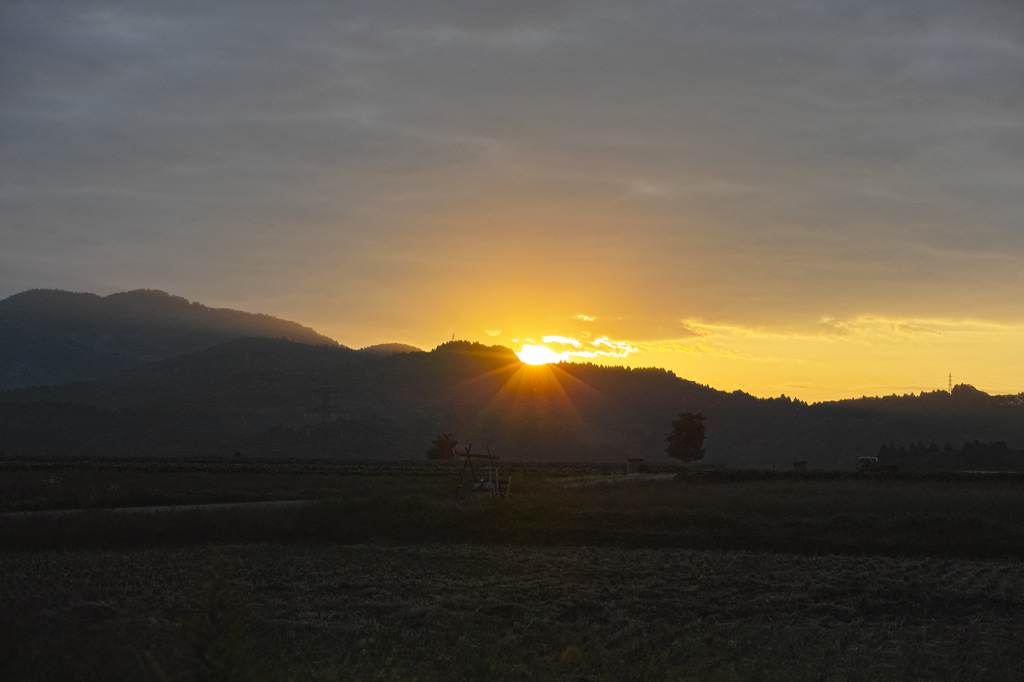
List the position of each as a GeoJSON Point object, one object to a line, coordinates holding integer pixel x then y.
{"type": "Point", "coordinates": [576, 576]}
{"type": "Point", "coordinates": [463, 612]}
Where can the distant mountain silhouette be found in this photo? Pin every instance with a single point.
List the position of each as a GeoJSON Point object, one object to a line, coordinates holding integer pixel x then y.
{"type": "Point", "coordinates": [277, 398]}
{"type": "Point", "coordinates": [52, 337]}
{"type": "Point", "coordinates": [390, 349]}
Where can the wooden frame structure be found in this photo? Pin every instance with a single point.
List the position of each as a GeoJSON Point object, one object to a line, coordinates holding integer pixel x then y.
{"type": "Point", "coordinates": [482, 478]}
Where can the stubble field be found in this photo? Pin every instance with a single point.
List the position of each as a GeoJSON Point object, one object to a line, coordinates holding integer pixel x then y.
{"type": "Point", "coordinates": [389, 577]}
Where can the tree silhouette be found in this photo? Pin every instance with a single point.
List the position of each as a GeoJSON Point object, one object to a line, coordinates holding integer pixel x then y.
{"type": "Point", "coordinates": [686, 439]}
{"type": "Point", "coordinates": [443, 447]}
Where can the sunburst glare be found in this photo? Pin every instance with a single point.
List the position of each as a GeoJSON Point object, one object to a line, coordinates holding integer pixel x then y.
{"type": "Point", "coordinates": [539, 355]}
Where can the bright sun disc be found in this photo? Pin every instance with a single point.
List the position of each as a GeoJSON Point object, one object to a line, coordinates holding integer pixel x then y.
{"type": "Point", "coordinates": [538, 355]}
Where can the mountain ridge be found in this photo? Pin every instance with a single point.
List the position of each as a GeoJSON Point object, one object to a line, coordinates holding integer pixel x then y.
{"type": "Point", "coordinates": [164, 384]}
{"type": "Point", "coordinates": [52, 336]}
{"type": "Point", "coordinates": [266, 397]}
{"type": "Point", "coordinates": [390, 349]}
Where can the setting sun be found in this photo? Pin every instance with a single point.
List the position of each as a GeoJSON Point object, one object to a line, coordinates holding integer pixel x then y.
{"type": "Point", "coordinates": [538, 355]}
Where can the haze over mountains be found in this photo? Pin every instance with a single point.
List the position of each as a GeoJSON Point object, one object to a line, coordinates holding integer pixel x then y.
{"type": "Point", "coordinates": [149, 374]}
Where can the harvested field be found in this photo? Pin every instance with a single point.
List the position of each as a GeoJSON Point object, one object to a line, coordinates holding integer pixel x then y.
{"type": "Point", "coordinates": [364, 612]}
{"type": "Point", "coordinates": [582, 574]}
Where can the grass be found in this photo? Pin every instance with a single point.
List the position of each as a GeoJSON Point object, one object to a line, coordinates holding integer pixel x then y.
{"type": "Point", "coordinates": [388, 576]}
{"type": "Point", "coordinates": [973, 518]}
{"type": "Point", "coordinates": [40, 485]}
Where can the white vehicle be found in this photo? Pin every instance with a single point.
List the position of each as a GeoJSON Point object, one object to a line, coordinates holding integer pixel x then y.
{"type": "Point", "coordinates": [867, 463]}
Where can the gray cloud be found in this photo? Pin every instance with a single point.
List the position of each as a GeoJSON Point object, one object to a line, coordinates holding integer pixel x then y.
{"type": "Point", "coordinates": [765, 157]}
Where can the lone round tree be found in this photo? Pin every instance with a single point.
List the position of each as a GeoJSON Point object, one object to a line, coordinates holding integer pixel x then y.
{"type": "Point", "coordinates": [686, 439]}
{"type": "Point", "coordinates": [443, 447]}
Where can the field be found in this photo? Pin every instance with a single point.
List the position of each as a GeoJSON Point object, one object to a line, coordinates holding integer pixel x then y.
{"type": "Point", "coordinates": [580, 574]}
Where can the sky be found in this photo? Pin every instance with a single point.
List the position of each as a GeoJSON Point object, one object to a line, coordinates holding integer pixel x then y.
{"type": "Point", "coordinates": [814, 199]}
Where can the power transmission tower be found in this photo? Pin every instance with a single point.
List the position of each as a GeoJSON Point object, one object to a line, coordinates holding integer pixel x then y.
{"type": "Point", "coordinates": [950, 382]}
{"type": "Point", "coordinates": [328, 413]}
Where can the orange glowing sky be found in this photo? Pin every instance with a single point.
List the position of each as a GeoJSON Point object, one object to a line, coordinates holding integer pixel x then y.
{"type": "Point", "coordinates": [822, 201]}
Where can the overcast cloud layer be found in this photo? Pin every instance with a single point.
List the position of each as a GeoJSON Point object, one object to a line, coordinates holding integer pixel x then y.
{"type": "Point", "coordinates": [397, 171]}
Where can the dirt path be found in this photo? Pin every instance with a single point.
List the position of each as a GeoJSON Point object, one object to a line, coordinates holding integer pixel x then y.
{"type": "Point", "coordinates": [160, 508]}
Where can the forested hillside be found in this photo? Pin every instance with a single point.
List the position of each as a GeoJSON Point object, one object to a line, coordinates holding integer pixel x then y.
{"type": "Point", "coordinates": [275, 398]}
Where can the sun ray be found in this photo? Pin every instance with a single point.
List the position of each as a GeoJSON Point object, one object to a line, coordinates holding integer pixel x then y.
{"type": "Point", "coordinates": [540, 396]}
